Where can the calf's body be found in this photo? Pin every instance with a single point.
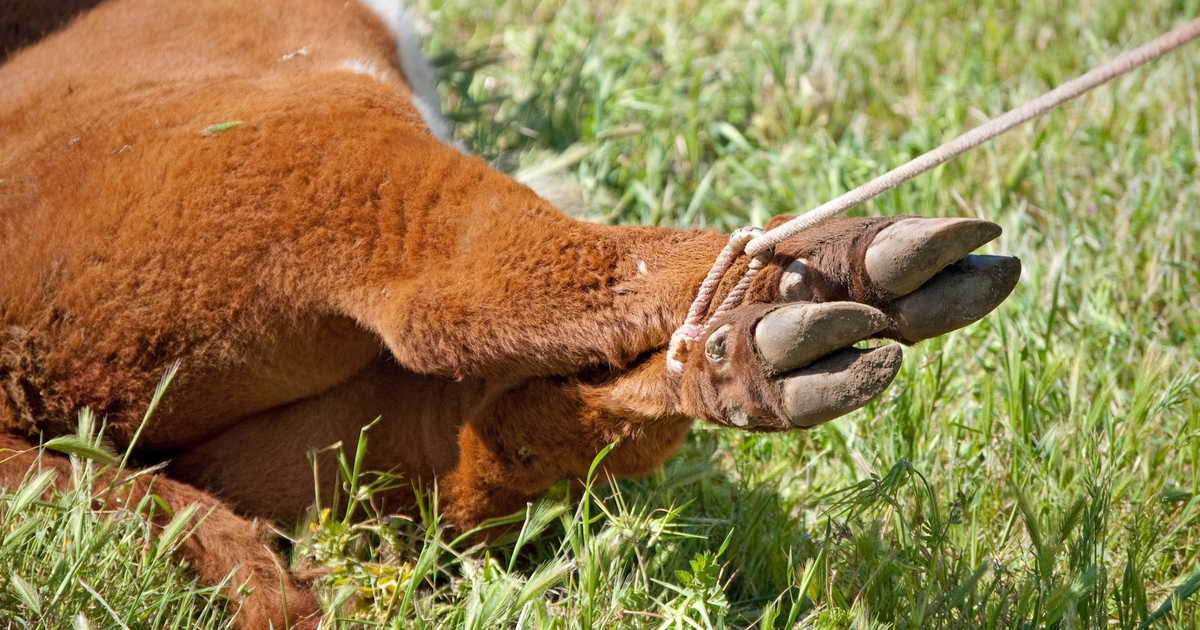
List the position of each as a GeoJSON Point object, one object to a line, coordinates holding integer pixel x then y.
{"type": "Point", "coordinates": [283, 256]}
{"type": "Point", "coordinates": [257, 191]}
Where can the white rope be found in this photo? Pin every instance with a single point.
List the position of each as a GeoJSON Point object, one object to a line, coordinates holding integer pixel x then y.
{"type": "Point", "coordinates": [761, 248]}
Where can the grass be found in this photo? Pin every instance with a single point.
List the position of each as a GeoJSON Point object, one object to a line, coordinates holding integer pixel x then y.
{"type": "Point", "coordinates": [64, 564]}
{"type": "Point", "coordinates": [1038, 469]}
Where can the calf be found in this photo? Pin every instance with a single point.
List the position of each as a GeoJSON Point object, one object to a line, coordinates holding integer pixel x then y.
{"type": "Point", "coordinates": [264, 192]}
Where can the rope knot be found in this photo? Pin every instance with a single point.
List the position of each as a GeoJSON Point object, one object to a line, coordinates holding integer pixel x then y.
{"type": "Point", "coordinates": [741, 237]}
{"type": "Point", "coordinates": [684, 336]}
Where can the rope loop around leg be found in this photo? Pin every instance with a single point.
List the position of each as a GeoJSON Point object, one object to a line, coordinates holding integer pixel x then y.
{"type": "Point", "coordinates": [693, 328]}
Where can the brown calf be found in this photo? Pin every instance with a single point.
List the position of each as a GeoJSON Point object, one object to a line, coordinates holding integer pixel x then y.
{"type": "Point", "coordinates": [330, 259]}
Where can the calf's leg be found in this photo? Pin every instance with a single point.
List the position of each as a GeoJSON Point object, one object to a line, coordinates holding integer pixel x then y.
{"type": "Point", "coordinates": [490, 445]}
{"type": "Point", "coordinates": [783, 360]}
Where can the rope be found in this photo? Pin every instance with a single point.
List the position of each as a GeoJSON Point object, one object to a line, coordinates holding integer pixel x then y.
{"type": "Point", "coordinates": [762, 247]}
{"type": "Point", "coordinates": [693, 328]}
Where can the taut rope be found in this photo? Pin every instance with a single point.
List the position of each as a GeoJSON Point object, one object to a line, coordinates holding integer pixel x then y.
{"type": "Point", "coordinates": [760, 246]}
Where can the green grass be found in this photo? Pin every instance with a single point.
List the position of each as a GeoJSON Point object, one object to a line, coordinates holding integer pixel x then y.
{"type": "Point", "coordinates": [1038, 469]}
{"type": "Point", "coordinates": [65, 564]}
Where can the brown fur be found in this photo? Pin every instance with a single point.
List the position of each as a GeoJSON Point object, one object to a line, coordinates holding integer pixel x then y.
{"type": "Point", "coordinates": [323, 263]}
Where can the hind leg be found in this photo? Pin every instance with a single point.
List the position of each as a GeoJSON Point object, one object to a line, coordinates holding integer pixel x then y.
{"type": "Point", "coordinates": [490, 445]}
{"type": "Point", "coordinates": [222, 544]}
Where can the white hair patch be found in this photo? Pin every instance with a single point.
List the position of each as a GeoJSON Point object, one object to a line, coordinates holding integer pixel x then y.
{"type": "Point", "coordinates": [420, 75]}
{"type": "Point", "coordinates": [359, 66]}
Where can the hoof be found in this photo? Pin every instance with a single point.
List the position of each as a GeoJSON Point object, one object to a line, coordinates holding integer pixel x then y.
{"type": "Point", "coordinates": [839, 384]}
{"type": "Point", "coordinates": [909, 252]}
{"type": "Point", "coordinates": [795, 335]}
{"type": "Point", "coordinates": [960, 295]}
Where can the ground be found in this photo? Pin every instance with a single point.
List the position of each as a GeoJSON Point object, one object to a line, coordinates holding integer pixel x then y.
{"type": "Point", "coordinates": [1041, 467]}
